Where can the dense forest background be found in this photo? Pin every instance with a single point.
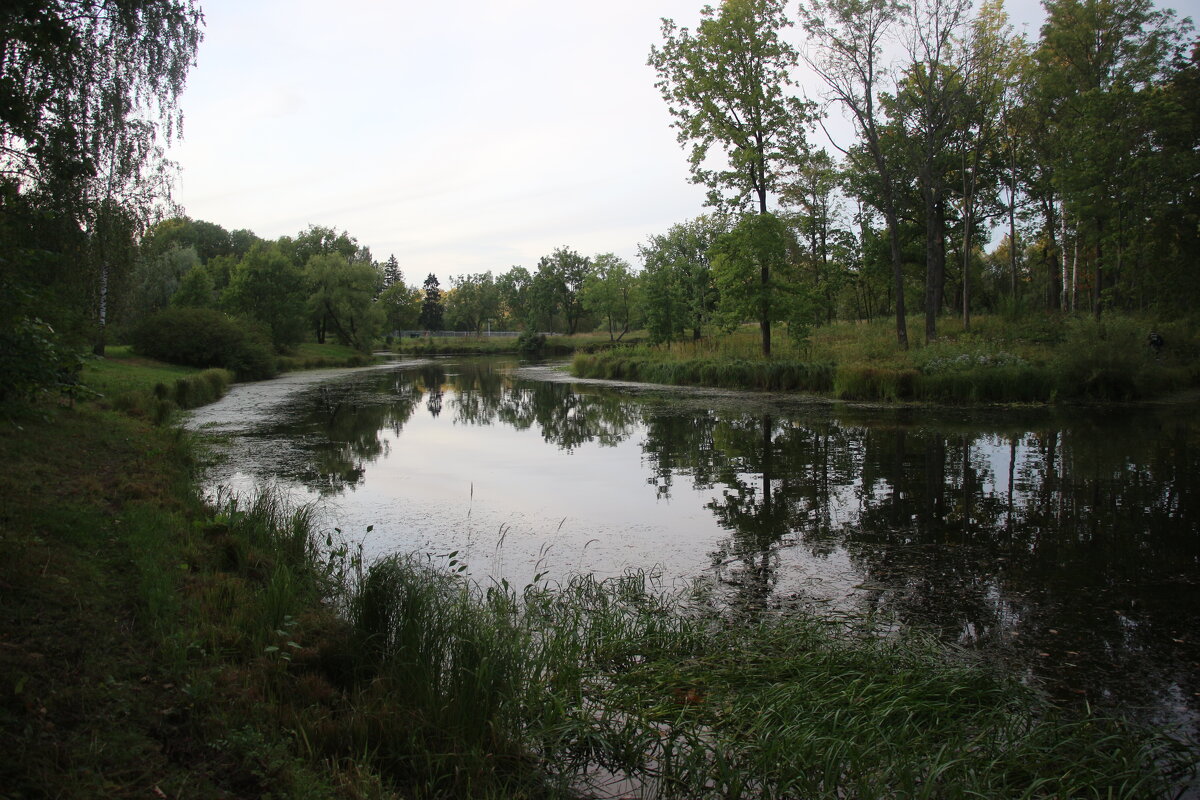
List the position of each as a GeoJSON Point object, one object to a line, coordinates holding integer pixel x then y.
{"type": "Point", "coordinates": [1078, 154]}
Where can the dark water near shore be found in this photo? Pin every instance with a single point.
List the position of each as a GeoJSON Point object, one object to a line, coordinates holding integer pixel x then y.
{"type": "Point", "coordinates": [1064, 543]}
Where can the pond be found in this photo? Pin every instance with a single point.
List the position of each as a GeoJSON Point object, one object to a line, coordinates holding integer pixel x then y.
{"type": "Point", "coordinates": [1061, 542]}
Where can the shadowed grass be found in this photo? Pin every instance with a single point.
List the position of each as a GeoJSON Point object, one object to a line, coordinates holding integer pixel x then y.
{"type": "Point", "coordinates": [590, 679]}
{"type": "Point", "coordinates": [154, 390]}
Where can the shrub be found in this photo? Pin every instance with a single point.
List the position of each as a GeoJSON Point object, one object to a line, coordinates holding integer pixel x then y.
{"type": "Point", "coordinates": [201, 337]}
{"type": "Point", "coordinates": [530, 343]}
{"type": "Point", "coordinates": [1103, 360]}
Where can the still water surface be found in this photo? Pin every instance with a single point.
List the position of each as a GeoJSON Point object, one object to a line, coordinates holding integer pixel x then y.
{"type": "Point", "coordinates": [1064, 543]}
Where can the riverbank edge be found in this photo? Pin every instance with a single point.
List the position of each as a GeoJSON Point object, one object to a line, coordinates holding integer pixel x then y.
{"type": "Point", "coordinates": [540, 346]}
{"type": "Point", "coordinates": [155, 390]}
{"type": "Point", "coordinates": [1026, 384]}
{"type": "Point", "coordinates": [212, 633]}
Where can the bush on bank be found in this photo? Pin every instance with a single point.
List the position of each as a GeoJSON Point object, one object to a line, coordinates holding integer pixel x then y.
{"type": "Point", "coordinates": [202, 337]}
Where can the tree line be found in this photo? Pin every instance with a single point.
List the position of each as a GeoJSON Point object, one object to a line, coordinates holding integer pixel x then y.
{"type": "Point", "coordinates": [1082, 147]}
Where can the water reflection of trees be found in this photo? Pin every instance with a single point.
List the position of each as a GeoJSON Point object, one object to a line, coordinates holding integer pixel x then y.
{"type": "Point", "coordinates": [339, 428]}
{"type": "Point", "coordinates": [565, 417]}
{"type": "Point", "coordinates": [1076, 539]}
{"type": "Point", "coordinates": [336, 430]}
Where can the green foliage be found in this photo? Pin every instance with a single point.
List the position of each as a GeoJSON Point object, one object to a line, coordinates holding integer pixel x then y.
{"type": "Point", "coordinates": [200, 337]}
{"type": "Point", "coordinates": [774, 375]}
{"type": "Point", "coordinates": [473, 302]}
{"type": "Point", "coordinates": [33, 359]}
{"type": "Point", "coordinates": [157, 279]}
{"type": "Point", "coordinates": [196, 290]}
{"type": "Point", "coordinates": [516, 290]}
{"type": "Point", "coordinates": [1039, 361]}
{"type": "Point", "coordinates": [432, 307]}
{"type": "Point", "coordinates": [309, 355]}
{"type": "Point", "coordinates": [267, 286]}
{"type": "Point", "coordinates": [401, 307]}
{"type": "Point", "coordinates": [750, 265]}
{"type": "Point", "coordinates": [1108, 360]}
{"type": "Point", "coordinates": [209, 240]}
{"type": "Point", "coordinates": [342, 300]}
{"type": "Point", "coordinates": [677, 283]}
{"type": "Point", "coordinates": [530, 343]}
{"type": "Point", "coordinates": [609, 291]}
{"type": "Point", "coordinates": [724, 85]}
{"type": "Point", "coordinates": [557, 287]}
{"type": "Point", "coordinates": [160, 402]}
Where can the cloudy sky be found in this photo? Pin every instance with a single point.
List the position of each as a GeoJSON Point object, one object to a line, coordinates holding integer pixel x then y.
{"type": "Point", "coordinates": [461, 136]}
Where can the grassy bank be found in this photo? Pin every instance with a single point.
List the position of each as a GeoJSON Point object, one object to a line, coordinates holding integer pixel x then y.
{"type": "Point", "coordinates": [547, 346]}
{"type": "Point", "coordinates": [155, 645]}
{"type": "Point", "coordinates": [1037, 360]}
{"type": "Point", "coordinates": [154, 390]}
{"type": "Point", "coordinates": [311, 355]}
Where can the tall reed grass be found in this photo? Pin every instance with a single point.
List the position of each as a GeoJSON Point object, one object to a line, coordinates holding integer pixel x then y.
{"type": "Point", "coordinates": [439, 686]}
{"type": "Point", "coordinates": [451, 689]}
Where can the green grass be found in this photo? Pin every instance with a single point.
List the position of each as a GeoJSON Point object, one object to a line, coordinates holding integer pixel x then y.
{"type": "Point", "coordinates": [1038, 359]}
{"type": "Point", "coordinates": [310, 355]}
{"type": "Point", "coordinates": [667, 691]}
{"type": "Point", "coordinates": [120, 371]}
{"type": "Point", "coordinates": [151, 389]}
{"type": "Point", "coordinates": [556, 345]}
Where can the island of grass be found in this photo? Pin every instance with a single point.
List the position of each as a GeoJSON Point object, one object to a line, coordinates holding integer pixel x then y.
{"type": "Point", "coordinates": [1038, 359]}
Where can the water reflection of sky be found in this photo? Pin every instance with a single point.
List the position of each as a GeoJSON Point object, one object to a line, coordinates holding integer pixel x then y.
{"type": "Point", "coordinates": [1080, 569]}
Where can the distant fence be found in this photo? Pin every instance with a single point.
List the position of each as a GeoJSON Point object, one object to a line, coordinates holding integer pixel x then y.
{"type": "Point", "coordinates": [455, 334]}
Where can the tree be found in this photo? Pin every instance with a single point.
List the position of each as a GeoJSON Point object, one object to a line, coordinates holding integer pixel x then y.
{"type": "Point", "coordinates": [322, 240]}
{"type": "Point", "coordinates": [609, 291]}
{"type": "Point", "coordinates": [993, 61]}
{"type": "Point", "coordinates": [473, 301]}
{"type": "Point", "coordinates": [759, 245]}
{"type": "Point", "coordinates": [267, 286]}
{"type": "Point", "coordinates": [89, 98]}
{"type": "Point", "coordinates": [812, 190]}
{"type": "Point", "coordinates": [342, 299]}
{"type": "Point", "coordinates": [158, 278]}
{"type": "Point", "coordinates": [558, 282]}
{"type": "Point", "coordinates": [515, 287]}
{"type": "Point", "coordinates": [1096, 64]}
{"type": "Point", "coordinates": [849, 37]}
{"type": "Point", "coordinates": [928, 108]}
{"type": "Point", "coordinates": [80, 74]}
{"type": "Point", "coordinates": [401, 307]}
{"type": "Point", "coordinates": [725, 85]}
{"type": "Point", "coordinates": [431, 306]}
{"type": "Point", "coordinates": [391, 272]}
{"type": "Point", "coordinates": [677, 277]}
{"type": "Point", "coordinates": [196, 289]}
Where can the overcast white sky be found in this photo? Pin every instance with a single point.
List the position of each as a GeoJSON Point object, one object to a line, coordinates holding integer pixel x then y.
{"type": "Point", "coordinates": [461, 136]}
